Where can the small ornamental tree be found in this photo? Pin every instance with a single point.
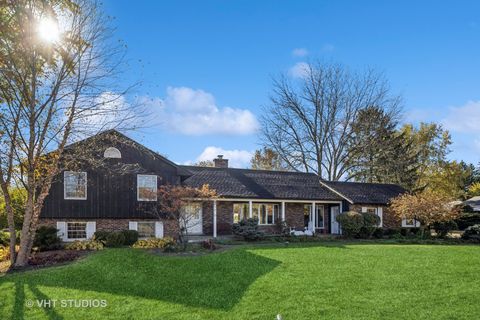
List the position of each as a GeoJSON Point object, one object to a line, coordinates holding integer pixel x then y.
{"type": "Point", "coordinates": [427, 207]}
{"type": "Point", "coordinates": [171, 203]}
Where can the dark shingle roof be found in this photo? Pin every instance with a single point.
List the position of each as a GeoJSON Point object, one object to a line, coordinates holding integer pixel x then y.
{"type": "Point", "coordinates": [261, 184]}
{"type": "Point", "coordinates": [368, 193]}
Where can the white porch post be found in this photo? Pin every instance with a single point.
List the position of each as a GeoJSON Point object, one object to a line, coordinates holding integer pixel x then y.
{"type": "Point", "coordinates": [250, 209]}
{"type": "Point", "coordinates": [283, 210]}
{"type": "Point", "coordinates": [214, 218]}
{"type": "Point", "coordinates": [313, 216]}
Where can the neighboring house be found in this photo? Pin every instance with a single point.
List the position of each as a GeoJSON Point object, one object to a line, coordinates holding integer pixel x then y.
{"type": "Point", "coordinates": [115, 186]}
{"type": "Point", "coordinates": [474, 203]}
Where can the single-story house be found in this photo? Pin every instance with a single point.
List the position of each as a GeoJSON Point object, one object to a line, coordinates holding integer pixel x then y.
{"type": "Point", "coordinates": [116, 189]}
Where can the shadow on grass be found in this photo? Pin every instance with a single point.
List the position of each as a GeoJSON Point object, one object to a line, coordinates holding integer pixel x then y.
{"type": "Point", "coordinates": [215, 281]}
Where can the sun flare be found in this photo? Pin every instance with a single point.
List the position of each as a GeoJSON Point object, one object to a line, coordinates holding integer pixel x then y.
{"type": "Point", "coordinates": [48, 30]}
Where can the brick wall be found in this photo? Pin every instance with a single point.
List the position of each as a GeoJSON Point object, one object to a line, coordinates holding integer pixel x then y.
{"type": "Point", "coordinates": [169, 226]}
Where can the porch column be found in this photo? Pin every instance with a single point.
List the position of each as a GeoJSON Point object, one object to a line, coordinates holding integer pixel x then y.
{"type": "Point", "coordinates": [214, 218]}
{"type": "Point", "coordinates": [283, 210]}
{"type": "Point", "coordinates": [250, 209]}
{"type": "Point", "coordinates": [313, 216]}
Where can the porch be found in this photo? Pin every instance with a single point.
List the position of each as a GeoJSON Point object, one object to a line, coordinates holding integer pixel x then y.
{"type": "Point", "coordinates": [317, 217]}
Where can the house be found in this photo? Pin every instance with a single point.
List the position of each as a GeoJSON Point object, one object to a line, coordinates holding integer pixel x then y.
{"type": "Point", "coordinates": [112, 185]}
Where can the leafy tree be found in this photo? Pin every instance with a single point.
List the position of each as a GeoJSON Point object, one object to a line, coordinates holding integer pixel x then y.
{"type": "Point", "coordinates": [374, 143]}
{"type": "Point", "coordinates": [448, 178]}
{"type": "Point", "coordinates": [204, 163]}
{"type": "Point", "coordinates": [267, 159]}
{"type": "Point", "coordinates": [428, 207]}
{"type": "Point", "coordinates": [473, 190]}
{"type": "Point", "coordinates": [18, 197]}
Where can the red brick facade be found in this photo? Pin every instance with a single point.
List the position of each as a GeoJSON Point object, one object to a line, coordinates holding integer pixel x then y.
{"type": "Point", "coordinates": [294, 216]}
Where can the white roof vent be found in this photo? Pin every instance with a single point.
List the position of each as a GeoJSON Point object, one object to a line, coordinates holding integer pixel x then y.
{"type": "Point", "coordinates": [112, 152]}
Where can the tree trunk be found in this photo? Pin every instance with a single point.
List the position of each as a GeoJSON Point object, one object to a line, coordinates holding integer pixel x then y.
{"type": "Point", "coordinates": [25, 236]}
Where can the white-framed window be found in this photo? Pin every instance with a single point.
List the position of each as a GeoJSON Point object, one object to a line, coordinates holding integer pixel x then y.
{"type": "Point", "coordinates": [240, 212]}
{"type": "Point", "coordinates": [377, 211]}
{"type": "Point", "coordinates": [265, 212]}
{"type": "Point", "coordinates": [112, 152]}
{"type": "Point", "coordinates": [74, 185]}
{"type": "Point", "coordinates": [410, 223]}
{"type": "Point", "coordinates": [146, 187]}
{"type": "Point", "coordinates": [319, 217]}
{"type": "Point", "coordinates": [76, 230]}
{"type": "Point", "coordinates": [146, 229]}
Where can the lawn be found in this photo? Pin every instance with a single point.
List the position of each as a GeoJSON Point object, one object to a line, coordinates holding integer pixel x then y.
{"type": "Point", "coordinates": [331, 281]}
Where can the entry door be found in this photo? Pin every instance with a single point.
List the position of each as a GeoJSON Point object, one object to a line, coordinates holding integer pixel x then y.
{"type": "Point", "coordinates": [193, 217]}
{"type": "Point", "coordinates": [334, 212]}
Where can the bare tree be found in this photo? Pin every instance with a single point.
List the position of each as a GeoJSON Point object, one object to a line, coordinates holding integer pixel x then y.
{"type": "Point", "coordinates": [52, 91]}
{"type": "Point", "coordinates": [308, 122]}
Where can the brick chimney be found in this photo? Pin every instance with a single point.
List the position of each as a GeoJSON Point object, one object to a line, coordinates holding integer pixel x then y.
{"type": "Point", "coordinates": [219, 162]}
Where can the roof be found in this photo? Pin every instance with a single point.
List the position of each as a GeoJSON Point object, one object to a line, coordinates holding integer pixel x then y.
{"type": "Point", "coordinates": [367, 193]}
{"type": "Point", "coordinates": [473, 202]}
{"type": "Point", "coordinates": [260, 184]}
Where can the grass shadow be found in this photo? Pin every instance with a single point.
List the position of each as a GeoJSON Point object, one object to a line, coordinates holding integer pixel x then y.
{"type": "Point", "coordinates": [19, 304]}
{"type": "Point", "coordinates": [215, 281]}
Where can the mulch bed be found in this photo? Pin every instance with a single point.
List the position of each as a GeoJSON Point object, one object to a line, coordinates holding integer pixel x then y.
{"type": "Point", "coordinates": [54, 257]}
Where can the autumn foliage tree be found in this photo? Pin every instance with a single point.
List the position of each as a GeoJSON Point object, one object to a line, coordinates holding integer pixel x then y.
{"type": "Point", "coordinates": [172, 202]}
{"type": "Point", "coordinates": [427, 207]}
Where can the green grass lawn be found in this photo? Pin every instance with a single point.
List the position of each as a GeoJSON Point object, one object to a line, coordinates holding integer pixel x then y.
{"type": "Point", "coordinates": [331, 281]}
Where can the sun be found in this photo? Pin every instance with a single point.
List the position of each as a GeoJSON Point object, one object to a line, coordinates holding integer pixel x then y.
{"type": "Point", "coordinates": [48, 30]}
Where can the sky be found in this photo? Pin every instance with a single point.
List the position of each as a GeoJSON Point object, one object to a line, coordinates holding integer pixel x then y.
{"type": "Point", "coordinates": [206, 67]}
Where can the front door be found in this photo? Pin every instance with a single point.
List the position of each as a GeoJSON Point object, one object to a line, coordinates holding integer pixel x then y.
{"type": "Point", "coordinates": [192, 216]}
{"type": "Point", "coordinates": [334, 212]}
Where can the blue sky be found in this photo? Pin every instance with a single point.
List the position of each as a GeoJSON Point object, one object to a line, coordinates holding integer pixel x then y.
{"type": "Point", "coordinates": [208, 65]}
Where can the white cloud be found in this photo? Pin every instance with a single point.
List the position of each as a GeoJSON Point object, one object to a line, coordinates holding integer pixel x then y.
{"type": "Point", "coordinates": [465, 119]}
{"type": "Point", "coordinates": [236, 158]}
{"type": "Point", "coordinates": [299, 52]}
{"type": "Point", "coordinates": [195, 112]}
{"type": "Point", "coordinates": [299, 70]}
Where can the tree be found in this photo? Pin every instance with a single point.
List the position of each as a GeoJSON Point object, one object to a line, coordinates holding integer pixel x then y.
{"type": "Point", "coordinates": [173, 202]}
{"type": "Point", "coordinates": [18, 197]}
{"type": "Point", "coordinates": [428, 207]}
{"type": "Point", "coordinates": [308, 123]}
{"type": "Point", "coordinates": [374, 143]}
{"type": "Point", "coordinates": [448, 178]}
{"type": "Point", "coordinates": [267, 159]}
{"type": "Point", "coordinates": [474, 189]}
{"type": "Point", "coordinates": [204, 163]}
{"type": "Point", "coordinates": [430, 143]}
{"type": "Point", "coordinates": [55, 85]}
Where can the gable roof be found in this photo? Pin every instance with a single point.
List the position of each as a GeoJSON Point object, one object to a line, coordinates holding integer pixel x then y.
{"type": "Point", "coordinates": [260, 184]}
{"type": "Point", "coordinates": [367, 193]}
{"type": "Point", "coordinates": [114, 134]}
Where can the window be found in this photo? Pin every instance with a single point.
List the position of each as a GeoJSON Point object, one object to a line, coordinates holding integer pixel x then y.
{"type": "Point", "coordinates": [146, 187]}
{"type": "Point", "coordinates": [410, 223]}
{"type": "Point", "coordinates": [319, 216]}
{"type": "Point", "coordinates": [76, 230]}
{"type": "Point", "coordinates": [265, 212]}
{"type": "Point", "coordinates": [377, 211]}
{"type": "Point", "coordinates": [240, 212]}
{"type": "Point", "coordinates": [112, 152]}
{"type": "Point", "coordinates": [75, 185]}
{"type": "Point", "coordinates": [146, 229]}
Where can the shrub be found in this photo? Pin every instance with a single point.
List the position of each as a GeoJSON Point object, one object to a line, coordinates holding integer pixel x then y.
{"type": "Point", "coordinates": [468, 219]}
{"type": "Point", "coordinates": [85, 245]}
{"type": "Point", "coordinates": [101, 235]}
{"type": "Point", "coordinates": [115, 239]}
{"type": "Point", "coordinates": [166, 244]}
{"type": "Point", "coordinates": [443, 228]}
{"type": "Point", "coordinates": [46, 238]}
{"type": "Point", "coordinates": [4, 253]}
{"type": "Point", "coordinates": [378, 233]}
{"type": "Point", "coordinates": [351, 223]}
{"type": "Point", "coordinates": [472, 233]}
{"type": "Point", "coordinates": [131, 236]}
{"type": "Point", "coordinates": [370, 224]}
{"type": "Point", "coordinates": [248, 229]}
{"type": "Point", "coordinates": [391, 232]}
{"type": "Point", "coordinates": [4, 238]}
